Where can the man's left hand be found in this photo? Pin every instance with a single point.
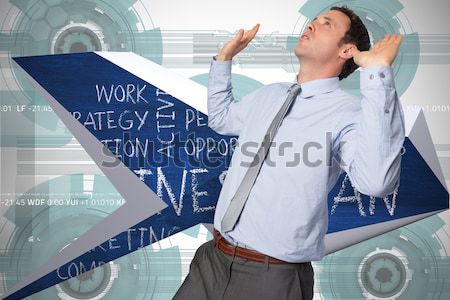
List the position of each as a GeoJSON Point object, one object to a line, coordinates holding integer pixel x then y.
{"type": "Point", "coordinates": [382, 53]}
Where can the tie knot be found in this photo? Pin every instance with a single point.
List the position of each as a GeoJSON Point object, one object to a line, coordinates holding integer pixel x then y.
{"type": "Point", "coordinates": [295, 89]}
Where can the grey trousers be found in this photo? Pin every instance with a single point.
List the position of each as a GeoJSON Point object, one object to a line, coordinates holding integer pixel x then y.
{"type": "Point", "coordinates": [214, 275]}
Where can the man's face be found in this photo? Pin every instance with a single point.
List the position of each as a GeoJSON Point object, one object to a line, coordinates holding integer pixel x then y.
{"type": "Point", "coordinates": [320, 42]}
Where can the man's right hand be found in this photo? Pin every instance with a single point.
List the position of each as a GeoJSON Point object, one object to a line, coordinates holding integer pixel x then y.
{"type": "Point", "coordinates": [236, 45]}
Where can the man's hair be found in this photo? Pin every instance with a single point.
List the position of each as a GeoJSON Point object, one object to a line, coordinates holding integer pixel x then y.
{"type": "Point", "coordinates": [356, 34]}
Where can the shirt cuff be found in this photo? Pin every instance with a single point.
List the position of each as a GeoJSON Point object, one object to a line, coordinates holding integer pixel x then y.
{"type": "Point", "coordinates": [376, 76]}
{"type": "Point", "coordinates": [221, 67]}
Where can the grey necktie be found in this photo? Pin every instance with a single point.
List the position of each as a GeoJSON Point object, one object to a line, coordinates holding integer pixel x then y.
{"type": "Point", "coordinates": [238, 201]}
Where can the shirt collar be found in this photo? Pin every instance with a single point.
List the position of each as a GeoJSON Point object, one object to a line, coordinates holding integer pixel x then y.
{"type": "Point", "coordinates": [316, 87]}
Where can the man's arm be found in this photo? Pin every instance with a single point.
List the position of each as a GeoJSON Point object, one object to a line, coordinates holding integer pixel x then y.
{"type": "Point", "coordinates": [225, 114]}
{"type": "Point", "coordinates": [371, 143]}
{"type": "Point", "coordinates": [370, 146]}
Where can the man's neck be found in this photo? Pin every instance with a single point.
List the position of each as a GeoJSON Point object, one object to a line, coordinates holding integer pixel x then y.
{"type": "Point", "coordinates": [314, 71]}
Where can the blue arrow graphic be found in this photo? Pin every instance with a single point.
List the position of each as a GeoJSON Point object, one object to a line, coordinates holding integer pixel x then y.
{"type": "Point", "coordinates": [146, 129]}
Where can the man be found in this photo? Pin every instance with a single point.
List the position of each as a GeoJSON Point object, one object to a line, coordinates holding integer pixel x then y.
{"type": "Point", "coordinates": [267, 252]}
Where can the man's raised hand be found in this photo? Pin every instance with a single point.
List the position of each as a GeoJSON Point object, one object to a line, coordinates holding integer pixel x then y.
{"type": "Point", "coordinates": [382, 53]}
{"type": "Point", "coordinates": [239, 42]}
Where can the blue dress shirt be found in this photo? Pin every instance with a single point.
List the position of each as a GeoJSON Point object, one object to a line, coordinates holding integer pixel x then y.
{"type": "Point", "coordinates": [326, 132]}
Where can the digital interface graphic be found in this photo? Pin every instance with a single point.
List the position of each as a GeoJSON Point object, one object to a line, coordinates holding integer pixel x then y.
{"type": "Point", "coordinates": [116, 173]}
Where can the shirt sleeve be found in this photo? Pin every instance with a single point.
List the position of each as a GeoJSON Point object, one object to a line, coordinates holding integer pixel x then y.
{"type": "Point", "coordinates": [369, 145]}
{"type": "Point", "coordinates": [225, 115]}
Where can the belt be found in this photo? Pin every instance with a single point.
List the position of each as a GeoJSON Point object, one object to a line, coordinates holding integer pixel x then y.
{"type": "Point", "coordinates": [228, 248]}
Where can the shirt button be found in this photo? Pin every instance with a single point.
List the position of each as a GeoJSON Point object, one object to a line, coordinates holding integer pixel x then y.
{"type": "Point", "coordinates": [371, 76]}
{"type": "Point", "coordinates": [386, 110]}
{"type": "Point", "coordinates": [382, 75]}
